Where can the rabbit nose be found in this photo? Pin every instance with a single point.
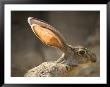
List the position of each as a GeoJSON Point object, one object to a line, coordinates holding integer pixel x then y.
{"type": "Point", "coordinates": [93, 58]}
{"type": "Point", "coordinates": [30, 20]}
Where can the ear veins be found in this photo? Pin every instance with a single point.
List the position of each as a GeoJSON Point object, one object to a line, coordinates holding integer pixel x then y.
{"type": "Point", "coordinates": [47, 36]}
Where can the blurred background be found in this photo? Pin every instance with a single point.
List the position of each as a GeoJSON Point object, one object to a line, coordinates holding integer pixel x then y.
{"type": "Point", "coordinates": [77, 27]}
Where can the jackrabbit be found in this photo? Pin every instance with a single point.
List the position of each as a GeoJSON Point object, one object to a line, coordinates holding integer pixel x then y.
{"type": "Point", "coordinates": [72, 57]}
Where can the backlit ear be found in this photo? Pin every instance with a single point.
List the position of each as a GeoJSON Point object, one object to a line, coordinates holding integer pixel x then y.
{"type": "Point", "coordinates": [46, 36]}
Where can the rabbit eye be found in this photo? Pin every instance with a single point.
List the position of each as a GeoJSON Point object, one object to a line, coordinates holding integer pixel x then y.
{"type": "Point", "coordinates": [82, 52]}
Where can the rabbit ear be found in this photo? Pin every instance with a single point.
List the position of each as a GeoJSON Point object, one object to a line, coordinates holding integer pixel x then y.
{"type": "Point", "coordinates": [46, 33]}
